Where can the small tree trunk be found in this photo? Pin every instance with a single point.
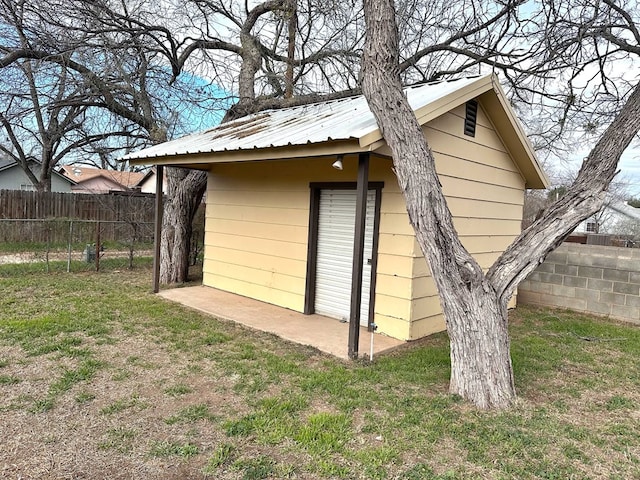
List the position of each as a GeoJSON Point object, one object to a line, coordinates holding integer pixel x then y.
{"type": "Point", "coordinates": [291, 48]}
{"type": "Point", "coordinates": [185, 190]}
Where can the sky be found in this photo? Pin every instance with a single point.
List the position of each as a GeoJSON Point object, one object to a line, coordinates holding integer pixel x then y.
{"type": "Point", "coordinates": [630, 170]}
{"type": "Point", "coordinates": [629, 166]}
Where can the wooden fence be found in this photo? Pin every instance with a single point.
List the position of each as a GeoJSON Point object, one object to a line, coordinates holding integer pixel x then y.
{"type": "Point", "coordinates": [126, 207]}
{"type": "Point", "coordinates": [39, 217]}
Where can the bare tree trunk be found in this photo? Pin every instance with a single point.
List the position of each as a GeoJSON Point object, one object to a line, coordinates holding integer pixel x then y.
{"type": "Point", "coordinates": [480, 363]}
{"type": "Point", "coordinates": [474, 305]}
{"type": "Point", "coordinates": [477, 324]}
{"type": "Point", "coordinates": [185, 190]}
{"type": "Point", "coordinates": [481, 369]}
{"type": "Point", "coordinates": [292, 25]}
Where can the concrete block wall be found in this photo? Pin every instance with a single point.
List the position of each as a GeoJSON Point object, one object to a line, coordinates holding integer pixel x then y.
{"type": "Point", "coordinates": [587, 278]}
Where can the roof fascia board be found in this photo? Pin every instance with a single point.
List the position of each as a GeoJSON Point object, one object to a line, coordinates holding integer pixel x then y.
{"type": "Point", "coordinates": [288, 152]}
{"type": "Point", "coordinates": [8, 167]}
{"type": "Point", "coordinates": [502, 116]}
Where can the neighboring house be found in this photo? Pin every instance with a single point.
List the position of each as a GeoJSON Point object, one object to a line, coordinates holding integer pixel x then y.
{"type": "Point", "coordinates": [615, 218]}
{"type": "Point", "coordinates": [148, 183]}
{"type": "Point", "coordinates": [12, 177]}
{"type": "Point", "coordinates": [98, 180]}
{"type": "Point", "coordinates": [280, 217]}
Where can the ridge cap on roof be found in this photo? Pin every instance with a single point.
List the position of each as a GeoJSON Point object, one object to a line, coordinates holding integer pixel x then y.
{"type": "Point", "coordinates": [444, 80]}
{"type": "Point", "coordinates": [336, 100]}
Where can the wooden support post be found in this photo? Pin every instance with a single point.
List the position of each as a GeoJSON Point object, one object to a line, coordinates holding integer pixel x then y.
{"type": "Point", "coordinates": [158, 228]}
{"type": "Point", "coordinates": [358, 254]}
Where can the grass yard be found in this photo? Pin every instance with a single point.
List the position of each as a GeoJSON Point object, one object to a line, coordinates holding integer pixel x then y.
{"type": "Point", "coordinates": [99, 379]}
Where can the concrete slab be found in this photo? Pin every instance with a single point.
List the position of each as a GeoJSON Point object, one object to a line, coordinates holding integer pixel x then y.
{"type": "Point", "coordinates": [326, 334]}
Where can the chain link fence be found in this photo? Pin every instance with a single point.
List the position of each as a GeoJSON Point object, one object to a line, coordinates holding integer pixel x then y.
{"type": "Point", "coordinates": [75, 245]}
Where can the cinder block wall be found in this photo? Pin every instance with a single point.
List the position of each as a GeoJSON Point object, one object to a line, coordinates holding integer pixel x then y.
{"type": "Point", "coordinates": [587, 278]}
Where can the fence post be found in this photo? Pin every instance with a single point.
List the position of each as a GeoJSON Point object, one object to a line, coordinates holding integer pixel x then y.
{"type": "Point", "coordinates": [69, 246]}
{"type": "Point", "coordinates": [47, 226]}
{"type": "Point", "coordinates": [97, 246]}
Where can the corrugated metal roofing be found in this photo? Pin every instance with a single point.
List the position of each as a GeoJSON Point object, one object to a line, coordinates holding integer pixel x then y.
{"type": "Point", "coordinates": [348, 118]}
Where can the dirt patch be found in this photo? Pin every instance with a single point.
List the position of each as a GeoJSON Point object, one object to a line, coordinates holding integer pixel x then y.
{"type": "Point", "coordinates": [108, 427]}
{"type": "Point", "coordinates": [33, 257]}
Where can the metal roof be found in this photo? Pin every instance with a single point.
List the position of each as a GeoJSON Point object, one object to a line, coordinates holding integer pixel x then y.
{"type": "Point", "coordinates": [625, 209]}
{"type": "Point", "coordinates": [348, 118]}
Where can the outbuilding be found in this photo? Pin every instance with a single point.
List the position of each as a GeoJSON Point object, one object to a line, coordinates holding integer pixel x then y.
{"type": "Point", "coordinates": [283, 201]}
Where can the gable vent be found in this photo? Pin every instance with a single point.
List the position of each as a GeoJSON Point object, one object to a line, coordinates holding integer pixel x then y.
{"type": "Point", "coordinates": [470, 118]}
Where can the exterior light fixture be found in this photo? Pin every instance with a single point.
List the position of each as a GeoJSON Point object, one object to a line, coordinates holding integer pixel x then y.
{"type": "Point", "coordinates": [338, 163]}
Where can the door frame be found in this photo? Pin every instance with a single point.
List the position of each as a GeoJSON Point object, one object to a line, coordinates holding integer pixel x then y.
{"type": "Point", "coordinates": [312, 249]}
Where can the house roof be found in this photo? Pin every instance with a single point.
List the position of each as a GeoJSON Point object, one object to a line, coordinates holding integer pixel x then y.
{"type": "Point", "coordinates": [625, 209]}
{"type": "Point", "coordinates": [82, 174]}
{"type": "Point", "coordinates": [7, 163]}
{"type": "Point", "coordinates": [339, 127]}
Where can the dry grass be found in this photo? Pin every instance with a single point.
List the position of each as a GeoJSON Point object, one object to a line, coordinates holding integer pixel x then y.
{"type": "Point", "coordinates": [104, 380]}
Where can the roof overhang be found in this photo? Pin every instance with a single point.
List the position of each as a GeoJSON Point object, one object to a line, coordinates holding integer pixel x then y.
{"type": "Point", "coordinates": [202, 160]}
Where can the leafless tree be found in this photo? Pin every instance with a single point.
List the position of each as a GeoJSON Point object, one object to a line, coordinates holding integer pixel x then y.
{"type": "Point", "coordinates": [474, 302]}
{"type": "Point", "coordinates": [249, 52]}
{"type": "Point", "coordinates": [273, 54]}
{"type": "Point", "coordinates": [49, 109]}
{"type": "Point", "coordinates": [77, 84]}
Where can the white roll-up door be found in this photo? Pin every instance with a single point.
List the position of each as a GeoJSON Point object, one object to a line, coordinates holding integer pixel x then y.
{"type": "Point", "coordinates": [336, 230]}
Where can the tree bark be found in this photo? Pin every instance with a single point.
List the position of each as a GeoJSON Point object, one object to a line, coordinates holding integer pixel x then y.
{"type": "Point", "coordinates": [474, 305]}
{"type": "Point", "coordinates": [480, 362]}
{"type": "Point", "coordinates": [185, 190]}
{"type": "Point", "coordinates": [292, 25]}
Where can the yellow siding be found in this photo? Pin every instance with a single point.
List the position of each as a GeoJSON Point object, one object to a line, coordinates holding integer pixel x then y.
{"type": "Point", "coordinates": [484, 209]}
{"type": "Point", "coordinates": [396, 265]}
{"type": "Point", "coordinates": [394, 285]}
{"type": "Point", "coordinates": [486, 226]}
{"type": "Point", "coordinates": [259, 213]}
{"type": "Point", "coordinates": [394, 327]}
{"type": "Point", "coordinates": [256, 231]}
{"type": "Point", "coordinates": [392, 306]}
{"type": "Point", "coordinates": [426, 326]}
{"type": "Point", "coordinates": [467, 188]}
{"type": "Point", "coordinates": [486, 243]}
{"type": "Point", "coordinates": [256, 234]}
{"type": "Point", "coordinates": [424, 286]}
{"type": "Point", "coordinates": [269, 263]}
{"type": "Point", "coordinates": [395, 223]}
{"type": "Point", "coordinates": [390, 244]}
{"type": "Point", "coordinates": [395, 260]}
{"type": "Point", "coordinates": [425, 307]}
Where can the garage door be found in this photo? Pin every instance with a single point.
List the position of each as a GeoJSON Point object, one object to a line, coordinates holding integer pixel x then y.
{"type": "Point", "coordinates": [336, 231]}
